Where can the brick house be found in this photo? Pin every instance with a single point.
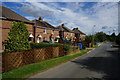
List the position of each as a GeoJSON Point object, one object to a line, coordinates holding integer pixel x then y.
{"type": "Point", "coordinates": [7, 18]}
{"type": "Point", "coordinates": [44, 31]}
{"type": "Point", "coordinates": [39, 30]}
{"type": "Point", "coordinates": [67, 33]}
{"type": "Point", "coordinates": [79, 35]}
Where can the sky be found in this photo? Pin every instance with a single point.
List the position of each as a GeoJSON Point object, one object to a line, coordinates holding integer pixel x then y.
{"type": "Point", "coordinates": [89, 17]}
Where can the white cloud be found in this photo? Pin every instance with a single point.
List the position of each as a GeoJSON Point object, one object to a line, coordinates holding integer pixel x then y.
{"type": "Point", "coordinates": [30, 17]}
{"type": "Point", "coordinates": [102, 14]}
{"type": "Point", "coordinates": [60, 0]}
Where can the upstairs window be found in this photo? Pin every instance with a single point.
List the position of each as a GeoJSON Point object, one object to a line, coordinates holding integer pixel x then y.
{"type": "Point", "coordinates": [44, 30]}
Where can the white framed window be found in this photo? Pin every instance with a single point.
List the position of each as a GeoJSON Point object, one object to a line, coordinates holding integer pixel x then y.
{"type": "Point", "coordinates": [44, 31]}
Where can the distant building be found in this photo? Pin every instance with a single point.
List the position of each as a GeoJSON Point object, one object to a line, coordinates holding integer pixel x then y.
{"type": "Point", "coordinates": [79, 35]}
{"type": "Point", "coordinates": [66, 33]}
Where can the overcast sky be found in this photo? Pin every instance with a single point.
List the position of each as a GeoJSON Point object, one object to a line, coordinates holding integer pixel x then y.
{"type": "Point", "coordinates": [83, 15]}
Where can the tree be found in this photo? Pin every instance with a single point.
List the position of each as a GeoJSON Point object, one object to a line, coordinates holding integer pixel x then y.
{"type": "Point", "coordinates": [89, 38]}
{"type": "Point", "coordinates": [113, 37]}
{"type": "Point", "coordinates": [118, 39]}
{"type": "Point", "coordinates": [100, 37]}
{"type": "Point", "coordinates": [17, 37]}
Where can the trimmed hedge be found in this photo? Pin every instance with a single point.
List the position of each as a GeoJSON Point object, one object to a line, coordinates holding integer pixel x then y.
{"type": "Point", "coordinates": [67, 48]}
{"type": "Point", "coordinates": [43, 45]}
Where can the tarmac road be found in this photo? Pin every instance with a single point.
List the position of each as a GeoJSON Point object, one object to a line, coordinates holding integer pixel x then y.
{"type": "Point", "coordinates": [101, 63]}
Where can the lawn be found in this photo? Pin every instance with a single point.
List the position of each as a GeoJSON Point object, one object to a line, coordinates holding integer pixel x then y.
{"type": "Point", "coordinates": [28, 70]}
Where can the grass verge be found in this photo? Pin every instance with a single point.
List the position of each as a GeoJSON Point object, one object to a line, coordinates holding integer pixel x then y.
{"type": "Point", "coordinates": [95, 46]}
{"type": "Point", "coordinates": [31, 69]}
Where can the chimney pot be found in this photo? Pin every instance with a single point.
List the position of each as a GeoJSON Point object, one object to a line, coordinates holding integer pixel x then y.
{"type": "Point", "coordinates": [40, 18]}
{"type": "Point", "coordinates": [62, 24]}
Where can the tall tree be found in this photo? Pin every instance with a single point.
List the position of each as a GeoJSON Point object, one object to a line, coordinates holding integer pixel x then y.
{"type": "Point", "coordinates": [113, 37]}
{"type": "Point", "coordinates": [89, 38]}
{"type": "Point", "coordinates": [100, 37]}
{"type": "Point", "coordinates": [17, 37]}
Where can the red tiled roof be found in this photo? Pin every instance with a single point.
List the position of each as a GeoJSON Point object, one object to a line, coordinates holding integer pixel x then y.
{"type": "Point", "coordinates": [78, 31]}
{"type": "Point", "coordinates": [9, 14]}
{"type": "Point", "coordinates": [64, 28]}
{"type": "Point", "coordinates": [44, 24]}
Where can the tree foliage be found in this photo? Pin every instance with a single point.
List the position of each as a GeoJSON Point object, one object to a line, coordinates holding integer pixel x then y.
{"type": "Point", "coordinates": [89, 38]}
{"type": "Point", "coordinates": [100, 37]}
{"type": "Point", "coordinates": [112, 37]}
{"type": "Point", "coordinates": [118, 39]}
{"type": "Point", "coordinates": [17, 37]}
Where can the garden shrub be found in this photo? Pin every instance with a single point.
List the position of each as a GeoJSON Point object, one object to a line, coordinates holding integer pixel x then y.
{"type": "Point", "coordinates": [17, 38]}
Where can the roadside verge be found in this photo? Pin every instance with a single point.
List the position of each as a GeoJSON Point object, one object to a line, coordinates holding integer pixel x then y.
{"type": "Point", "coordinates": [31, 69]}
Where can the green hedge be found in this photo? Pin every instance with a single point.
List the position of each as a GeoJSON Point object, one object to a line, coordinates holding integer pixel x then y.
{"type": "Point", "coordinates": [43, 45]}
{"type": "Point", "coordinates": [67, 48]}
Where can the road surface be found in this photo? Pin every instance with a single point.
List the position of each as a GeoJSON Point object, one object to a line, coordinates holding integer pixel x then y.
{"type": "Point", "coordinates": [101, 63]}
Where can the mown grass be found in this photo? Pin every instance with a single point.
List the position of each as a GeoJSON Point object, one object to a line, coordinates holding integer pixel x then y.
{"type": "Point", "coordinates": [95, 46]}
{"type": "Point", "coordinates": [28, 70]}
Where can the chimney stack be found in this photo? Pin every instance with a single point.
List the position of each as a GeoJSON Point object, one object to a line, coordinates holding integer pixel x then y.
{"type": "Point", "coordinates": [62, 25]}
{"type": "Point", "coordinates": [40, 18]}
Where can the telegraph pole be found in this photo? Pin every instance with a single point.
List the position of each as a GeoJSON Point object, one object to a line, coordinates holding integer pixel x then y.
{"type": "Point", "coordinates": [93, 34]}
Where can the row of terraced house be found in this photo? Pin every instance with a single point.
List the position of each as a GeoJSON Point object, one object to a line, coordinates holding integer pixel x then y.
{"type": "Point", "coordinates": [39, 30]}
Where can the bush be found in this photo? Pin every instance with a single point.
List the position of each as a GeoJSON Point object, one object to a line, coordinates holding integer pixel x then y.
{"type": "Point", "coordinates": [67, 48]}
{"type": "Point", "coordinates": [17, 38]}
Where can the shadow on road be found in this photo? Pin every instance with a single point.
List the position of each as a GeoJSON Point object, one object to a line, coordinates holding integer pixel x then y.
{"type": "Point", "coordinates": [109, 65]}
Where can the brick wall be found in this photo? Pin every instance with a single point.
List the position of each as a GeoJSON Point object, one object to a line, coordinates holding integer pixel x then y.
{"type": "Point", "coordinates": [56, 33]}
{"type": "Point", "coordinates": [82, 36]}
{"type": "Point", "coordinates": [39, 31]}
{"type": "Point", "coordinates": [69, 35]}
{"type": "Point", "coordinates": [6, 25]}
